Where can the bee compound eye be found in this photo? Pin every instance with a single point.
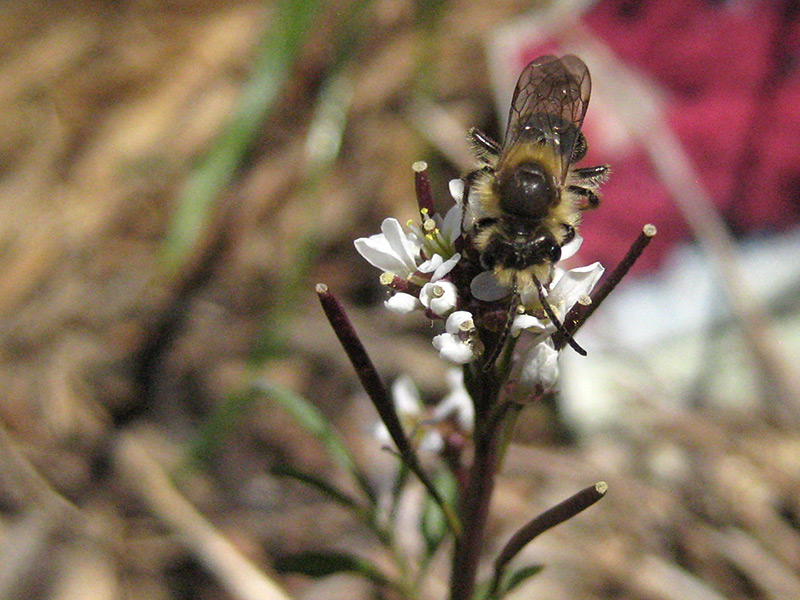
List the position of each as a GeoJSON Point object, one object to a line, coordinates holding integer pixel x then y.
{"type": "Point", "coordinates": [545, 248]}
{"type": "Point", "coordinates": [555, 252]}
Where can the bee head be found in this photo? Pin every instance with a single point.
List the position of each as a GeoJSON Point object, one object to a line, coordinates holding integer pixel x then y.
{"type": "Point", "coordinates": [518, 247]}
{"type": "Point", "coordinates": [526, 190]}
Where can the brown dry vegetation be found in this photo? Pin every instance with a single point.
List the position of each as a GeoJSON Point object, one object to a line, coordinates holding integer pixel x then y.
{"type": "Point", "coordinates": [112, 365]}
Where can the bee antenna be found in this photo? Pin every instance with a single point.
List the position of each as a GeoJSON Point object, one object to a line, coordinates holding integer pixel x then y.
{"type": "Point", "coordinates": [512, 313]}
{"type": "Point", "coordinates": [554, 319]}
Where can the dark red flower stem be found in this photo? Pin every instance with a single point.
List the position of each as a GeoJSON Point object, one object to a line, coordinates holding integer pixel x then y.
{"type": "Point", "coordinates": [377, 392]}
{"type": "Point", "coordinates": [579, 313]}
{"type": "Point", "coordinates": [547, 520]}
{"type": "Point", "coordinates": [422, 186]}
{"type": "Point", "coordinates": [474, 514]}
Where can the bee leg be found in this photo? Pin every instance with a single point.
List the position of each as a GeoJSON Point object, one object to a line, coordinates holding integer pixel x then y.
{"type": "Point", "coordinates": [592, 175]}
{"type": "Point", "coordinates": [569, 234]}
{"type": "Point", "coordinates": [469, 180]}
{"type": "Point", "coordinates": [485, 148]}
{"type": "Point", "coordinates": [501, 342]}
{"type": "Point", "coordinates": [588, 199]}
{"type": "Point", "coordinates": [554, 319]}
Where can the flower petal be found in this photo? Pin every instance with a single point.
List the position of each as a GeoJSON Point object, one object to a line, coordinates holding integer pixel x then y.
{"type": "Point", "coordinates": [569, 250]}
{"type": "Point", "coordinates": [451, 348]}
{"type": "Point", "coordinates": [381, 434]}
{"type": "Point", "coordinates": [451, 226]}
{"type": "Point", "coordinates": [458, 319]}
{"type": "Point", "coordinates": [402, 303]}
{"type": "Point", "coordinates": [391, 251]}
{"type": "Point", "coordinates": [541, 365]}
{"type": "Point", "coordinates": [430, 265]}
{"type": "Point", "coordinates": [445, 267]}
{"type": "Point", "coordinates": [431, 442]}
{"type": "Point", "coordinates": [575, 283]}
{"type": "Point", "coordinates": [403, 247]}
{"type": "Point", "coordinates": [376, 251]}
{"type": "Point", "coordinates": [530, 322]}
{"type": "Point", "coordinates": [405, 396]}
{"type": "Point", "coordinates": [456, 187]}
{"type": "Point", "coordinates": [457, 403]}
{"type": "Point", "coordinates": [441, 297]}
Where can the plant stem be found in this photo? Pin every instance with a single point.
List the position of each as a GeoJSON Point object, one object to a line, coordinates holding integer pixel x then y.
{"type": "Point", "coordinates": [380, 397]}
{"type": "Point", "coordinates": [579, 313]}
{"type": "Point", "coordinates": [475, 512]}
{"type": "Point", "coordinates": [547, 520]}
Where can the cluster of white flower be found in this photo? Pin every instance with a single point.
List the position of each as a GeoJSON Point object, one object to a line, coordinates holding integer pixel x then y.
{"type": "Point", "coordinates": [417, 265]}
{"type": "Point", "coordinates": [426, 423]}
{"type": "Point", "coordinates": [419, 260]}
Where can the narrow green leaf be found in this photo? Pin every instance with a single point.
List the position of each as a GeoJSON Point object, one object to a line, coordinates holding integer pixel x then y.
{"type": "Point", "coordinates": [518, 577]}
{"type": "Point", "coordinates": [220, 425]}
{"type": "Point", "coordinates": [319, 484]}
{"type": "Point", "coordinates": [323, 564]}
{"type": "Point", "coordinates": [367, 514]}
{"type": "Point", "coordinates": [433, 524]}
{"type": "Point", "coordinates": [214, 171]}
{"type": "Point", "coordinates": [492, 589]}
{"type": "Point", "coordinates": [312, 420]}
{"type": "Point", "coordinates": [399, 484]}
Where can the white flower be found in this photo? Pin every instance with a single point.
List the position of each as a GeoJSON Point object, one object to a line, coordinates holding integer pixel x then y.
{"type": "Point", "coordinates": [402, 303]}
{"type": "Point", "coordinates": [440, 297]}
{"type": "Point", "coordinates": [450, 226]}
{"type": "Point", "coordinates": [399, 255]}
{"type": "Point", "coordinates": [459, 343]}
{"type": "Point", "coordinates": [568, 287]}
{"type": "Point", "coordinates": [457, 403]}
{"type": "Point", "coordinates": [418, 422]}
{"type": "Point", "coordinates": [392, 251]}
{"type": "Point", "coordinates": [540, 366]}
{"type": "Point", "coordinates": [438, 266]}
{"type": "Point", "coordinates": [438, 235]}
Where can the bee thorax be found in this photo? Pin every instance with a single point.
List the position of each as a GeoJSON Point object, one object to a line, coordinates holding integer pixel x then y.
{"type": "Point", "coordinates": [526, 190]}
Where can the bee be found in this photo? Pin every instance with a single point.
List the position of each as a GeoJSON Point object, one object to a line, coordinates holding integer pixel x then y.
{"type": "Point", "coordinates": [528, 194]}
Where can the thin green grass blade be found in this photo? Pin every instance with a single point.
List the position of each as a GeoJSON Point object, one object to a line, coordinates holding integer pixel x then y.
{"type": "Point", "coordinates": [215, 171]}
{"type": "Point", "coordinates": [312, 420]}
{"type": "Point", "coordinates": [321, 485]}
{"type": "Point", "coordinates": [323, 564]}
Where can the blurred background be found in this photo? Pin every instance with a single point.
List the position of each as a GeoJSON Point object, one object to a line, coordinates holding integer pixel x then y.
{"type": "Point", "coordinates": [176, 176]}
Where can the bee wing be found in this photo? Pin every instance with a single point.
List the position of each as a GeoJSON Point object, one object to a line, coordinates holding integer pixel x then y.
{"type": "Point", "coordinates": [552, 93]}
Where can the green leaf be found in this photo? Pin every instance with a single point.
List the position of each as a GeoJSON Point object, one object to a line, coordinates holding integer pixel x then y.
{"type": "Point", "coordinates": [518, 577]}
{"type": "Point", "coordinates": [432, 523]}
{"type": "Point", "coordinates": [312, 420]}
{"type": "Point", "coordinates": [215, 170]}
{"type": "Point", "coordinates": [220, 425]}
{"type": "Point", "coordinates": [323, 564]}
{"type": "Point", "coordinates": [367, 514]}
{"type": "Point", "coordinates": [397, 490]}
{"type": "Point", "coordinates": [491, 589]}
{"type": "Point", "coordinates": [319, 484]}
